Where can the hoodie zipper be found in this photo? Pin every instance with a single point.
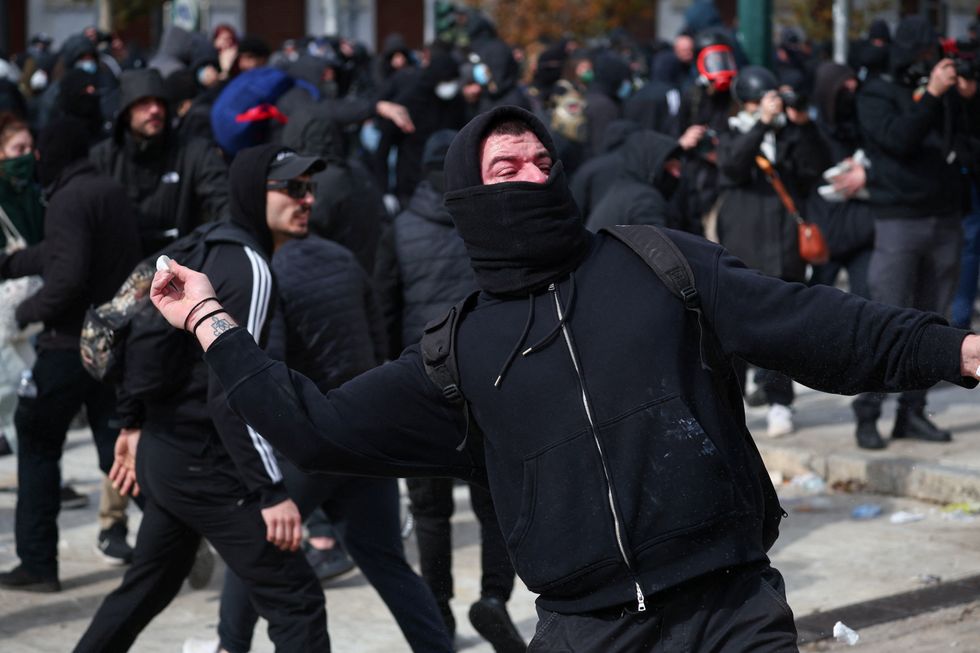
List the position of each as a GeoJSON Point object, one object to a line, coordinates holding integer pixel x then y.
{"type": "Point", "coordinates": [640, 599]}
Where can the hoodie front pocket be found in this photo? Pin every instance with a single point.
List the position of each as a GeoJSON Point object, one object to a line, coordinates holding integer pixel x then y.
{"type": "Point", "coordinates": [667, 473]}
{"type": "Point", "coordinates": [564, 538]}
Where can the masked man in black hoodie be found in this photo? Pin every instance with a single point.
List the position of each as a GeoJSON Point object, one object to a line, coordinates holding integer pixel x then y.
{"type": "Point", "coordinates": [174, 185]}
{"type": "Point", "coordinates": [90, 245]}
{"type": "Point", "coordinates": [597, 409]}
{"type": "Point", "coordinates": [203, 471]}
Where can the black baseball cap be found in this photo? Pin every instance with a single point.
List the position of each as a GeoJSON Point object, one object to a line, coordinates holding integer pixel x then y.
{"type": "Point", "coordinates": [288, 165]}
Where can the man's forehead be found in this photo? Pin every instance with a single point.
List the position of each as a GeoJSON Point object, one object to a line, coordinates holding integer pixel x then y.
{"type": "Point", "coordinates": [520, 143]}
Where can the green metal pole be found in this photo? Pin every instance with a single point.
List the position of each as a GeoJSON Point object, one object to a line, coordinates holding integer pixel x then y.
{"type": "Point", "coordinates": [755, 30]}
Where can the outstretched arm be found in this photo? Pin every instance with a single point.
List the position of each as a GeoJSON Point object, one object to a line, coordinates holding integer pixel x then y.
{"type": "Point", "coordinates": [389, 421]}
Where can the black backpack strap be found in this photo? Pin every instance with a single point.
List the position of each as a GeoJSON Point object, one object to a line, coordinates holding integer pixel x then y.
{"type": "Point", "coordinates": [663, 257]}
{"type": "Point", "coordinates": [438, 349]}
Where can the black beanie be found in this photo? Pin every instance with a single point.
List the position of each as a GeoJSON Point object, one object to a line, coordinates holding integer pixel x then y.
{"type": "Point", "coordinates": [63, 142]}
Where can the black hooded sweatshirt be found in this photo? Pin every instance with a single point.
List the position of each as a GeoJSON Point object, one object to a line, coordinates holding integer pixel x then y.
{"type": "Point", "coordinates": [642, 195]}
{"type": "Point", "coordinates": [167, 391]}
{"type": "Point", "coordinates": [593, 179]}
{"type": "Point", "coordinates": [174, 185]}
{"type": "Point", "coordinates": [619, 466]}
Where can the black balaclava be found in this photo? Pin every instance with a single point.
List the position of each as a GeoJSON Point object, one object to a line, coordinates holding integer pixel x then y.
{"type": "Point", "coordinates": [246, 183]}
{"type": "Point", "coordinates": [520, 236]}
{"type": "Point", "coordinates": [62, 143]}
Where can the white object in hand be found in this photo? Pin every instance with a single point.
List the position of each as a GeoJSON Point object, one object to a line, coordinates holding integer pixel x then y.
{"type": "Point", "coordinates": [845, 635]}
{"type": "Point", "coordinates": [163, 263]}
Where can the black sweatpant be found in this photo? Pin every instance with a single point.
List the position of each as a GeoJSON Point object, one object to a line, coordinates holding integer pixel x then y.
{"type": "Point", "coordinates": [366, 513]}
{"type": "Point", "coordinates": [63, 387]}
{"type": "Point", "coordinates": [189, 496]}
{"type": "Point", "coordinates": [432, 507]}
{"type": "Point", "coordinates": [729, 612]}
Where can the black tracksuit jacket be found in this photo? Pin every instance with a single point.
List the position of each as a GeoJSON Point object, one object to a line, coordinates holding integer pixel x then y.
{"type": "Point", "coordinates": [616, 462]}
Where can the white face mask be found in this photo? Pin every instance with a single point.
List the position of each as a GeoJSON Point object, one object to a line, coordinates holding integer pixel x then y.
{"type": "Point", "coordinates": [87, 65]}
{"type": "Point", "coordinates": [447, 90]}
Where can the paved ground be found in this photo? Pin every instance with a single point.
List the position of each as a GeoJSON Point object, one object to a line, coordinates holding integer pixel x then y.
{"type": "Point", "coordinates": [829, 559]}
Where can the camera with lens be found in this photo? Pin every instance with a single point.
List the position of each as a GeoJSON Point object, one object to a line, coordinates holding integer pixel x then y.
{"type": "Point", "coordinates": [793, 100]}
{"type": "Point", "coordinates": [964, 56]}
{"type": "Point", "coordinates": [708, 142]}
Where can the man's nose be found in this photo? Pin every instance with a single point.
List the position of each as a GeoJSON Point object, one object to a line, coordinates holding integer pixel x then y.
{"type": "Point", "coordinates": [531, 172]}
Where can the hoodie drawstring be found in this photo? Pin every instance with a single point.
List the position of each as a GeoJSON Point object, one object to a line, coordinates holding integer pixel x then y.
{"type": "Point", "coordinates": [527, 328]}
{"type": "Point", "coordinates": [520, 341]}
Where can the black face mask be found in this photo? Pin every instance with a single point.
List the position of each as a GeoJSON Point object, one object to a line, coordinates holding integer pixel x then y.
{"type": "Point", "coordinates": [667, 184]}
{"type": "Point", "coordinates": [845, 106]}
{"type": "Point", "coordinates": [520, 236]}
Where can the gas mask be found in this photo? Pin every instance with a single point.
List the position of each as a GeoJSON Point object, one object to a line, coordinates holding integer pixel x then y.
{"type": "Point", "coordinates": [716, 66]}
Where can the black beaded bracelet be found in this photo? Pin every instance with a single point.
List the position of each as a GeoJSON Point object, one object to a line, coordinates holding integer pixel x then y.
{"type": "Point", "coordinates": [197, 306]}
{"type": "Point", "coordinates": [211, 314]}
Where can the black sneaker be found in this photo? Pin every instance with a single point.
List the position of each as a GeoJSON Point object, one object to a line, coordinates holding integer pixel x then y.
{"type": "Point", "coordinates": [868, 436]}
{"type": "Point", "coordinates": [203, 568]}
{"type": "Point", "coordinates": [489, 617]}
{"type": "Point", "coordinates": [112, 545]}
{"type": "Point", "coordinates": [71, 499]}
{"type": "Point", "coordinates": [916, 426]}
{"type": "Point", "coordinates": [5, 448]}
{"type": "Point", "coordinates": [20, 579]}
{"type": "Point", "coordinates": [328, 563]}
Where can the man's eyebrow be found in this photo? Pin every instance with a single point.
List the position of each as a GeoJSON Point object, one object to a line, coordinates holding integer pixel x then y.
{"type": "Point", "coordinates": [511, 157]}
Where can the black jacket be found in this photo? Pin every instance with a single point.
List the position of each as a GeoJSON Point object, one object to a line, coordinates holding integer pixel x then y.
{"type": "Point", "coordinates": [430, 270]}
{"type": "Point", "coordinates": [659, 443]}
{"type": "Point", "coordinates": [752, 221]}
{"type": "Point", "coordinates": [909, 142]}
{"type": "Point", "coordinates": [90, 246]}
{"type": "Point", "coordinates": [174, 185]}
{"type": "Point", "coordinates": [168, 392]}
{"type": "Point", "coordinates": [334, 329]}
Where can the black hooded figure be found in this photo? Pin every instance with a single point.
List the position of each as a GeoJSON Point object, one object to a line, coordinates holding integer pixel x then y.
{"type": "Point", "coordinates": [434, 100]}
{"type": "Point", "coordinates": [642, 195]}
{"type": "Point", "coordinates": [501, 89]}
{"type": "Point", "coordinates": [607, 92]}
{"type": "Point", "coordinates": [348, 208]}
{"type": "Point", "coordinates": [174, 185]}
{"type": "Point", "coordinates": [90, 245]}
{"type": "Point", "coordinates": [185, 424]}
{"type": "Point", "coordinates": [610, 429]}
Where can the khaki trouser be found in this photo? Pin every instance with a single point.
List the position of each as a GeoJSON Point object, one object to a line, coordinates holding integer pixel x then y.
{"type": "Point", "coordinates": [112, 505]}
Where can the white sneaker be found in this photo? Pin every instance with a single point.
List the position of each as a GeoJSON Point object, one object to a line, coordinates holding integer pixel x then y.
{"type": "Point", "coordinates": [780, 421]}
{"type": "Point", "coordinates": [194, 645]}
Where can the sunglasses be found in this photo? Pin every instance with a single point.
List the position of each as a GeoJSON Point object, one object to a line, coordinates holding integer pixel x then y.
{"type": "Point", "coordinates": [295, 188]}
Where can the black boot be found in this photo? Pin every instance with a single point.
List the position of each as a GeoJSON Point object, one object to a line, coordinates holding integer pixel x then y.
{"type": "Point", "coordinates": [489, 617]}
{"type": "Point", "coordinates": [915, 425]}
{"type": "Point", "coordinates": [868, 436]}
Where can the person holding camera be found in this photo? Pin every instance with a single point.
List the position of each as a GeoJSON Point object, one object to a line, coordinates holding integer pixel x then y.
{"type": "Point", "coordinates": [753, 223]}
{"type": "Point", "coordinates": [910, 123]}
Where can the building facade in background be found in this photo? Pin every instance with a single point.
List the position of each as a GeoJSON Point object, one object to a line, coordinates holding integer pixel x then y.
{"type": "Point", "coordinates": [367, 21]}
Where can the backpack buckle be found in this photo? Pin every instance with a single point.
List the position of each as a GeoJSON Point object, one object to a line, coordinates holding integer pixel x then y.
{"type": "Point", "coordinates": [452, 393]}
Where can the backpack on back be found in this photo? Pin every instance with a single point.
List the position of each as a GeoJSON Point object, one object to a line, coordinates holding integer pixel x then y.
{"type": "Point", "coordinates": [241, 114]}
{"type": "Point", "coordinates": [105, 327]}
